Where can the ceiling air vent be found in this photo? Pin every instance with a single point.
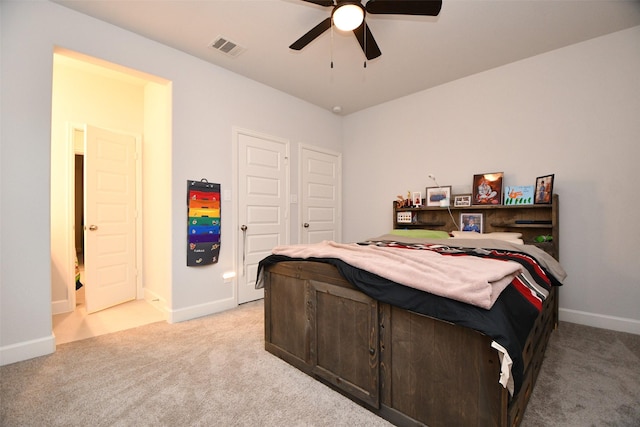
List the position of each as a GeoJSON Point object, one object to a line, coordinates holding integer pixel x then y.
{"type": "Point", "coordinates": [227, 46]}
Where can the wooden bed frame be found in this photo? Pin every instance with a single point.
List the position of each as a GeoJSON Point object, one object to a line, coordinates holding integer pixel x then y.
{"type": "Point", "coordinates": [408, 368]}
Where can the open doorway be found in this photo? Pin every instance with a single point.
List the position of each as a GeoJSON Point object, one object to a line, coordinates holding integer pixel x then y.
{"type": "Point", "coordinates": [107, 298]}
{"type": "Point", "coordinates": [88, 92]}
{"type": "Point", "coordinates": [78, 227]}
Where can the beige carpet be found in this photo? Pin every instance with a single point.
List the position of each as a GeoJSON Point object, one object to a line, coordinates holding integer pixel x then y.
{"type": "Point", "coordinates": [214, 371]}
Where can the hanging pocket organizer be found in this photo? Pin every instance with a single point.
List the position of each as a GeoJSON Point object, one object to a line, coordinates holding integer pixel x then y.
{"type": "Point", "coordinates": [203, 229]}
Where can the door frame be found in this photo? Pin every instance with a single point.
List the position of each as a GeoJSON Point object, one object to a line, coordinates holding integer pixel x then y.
{"type": "Point", "coordinates": [72, 150]}
{"type": "Point", "coordinates": [235, 195]}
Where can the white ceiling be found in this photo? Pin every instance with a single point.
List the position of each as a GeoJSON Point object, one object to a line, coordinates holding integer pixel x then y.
{"type": "Point", "coordinates": [469, 36]}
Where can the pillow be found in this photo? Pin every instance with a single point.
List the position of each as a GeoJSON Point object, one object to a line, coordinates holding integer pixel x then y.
{"type": "Point", "coordinates": [506, 236]}
{"type": "Point", "coordinates": [422, 234]}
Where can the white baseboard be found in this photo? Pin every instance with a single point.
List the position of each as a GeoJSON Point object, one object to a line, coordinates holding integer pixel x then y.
{"type": "Point", "coordinates": [60, 306]}
{"type": "Point", "coordinates": [619, 324]}
{"type": "Point", "coordinates": [156, 301]}
{"type": "Point", "coordinates": [200, 310]}
{"type": "Point", "coordinates": [27, 350]}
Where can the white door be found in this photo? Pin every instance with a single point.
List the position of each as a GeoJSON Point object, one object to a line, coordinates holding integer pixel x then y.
{"type": "Point", "coordinates": [110, 223]}
{"type": "Point", "coordinates": [321, 200]}
{"type": "Point", "coordinates": [263, 215]}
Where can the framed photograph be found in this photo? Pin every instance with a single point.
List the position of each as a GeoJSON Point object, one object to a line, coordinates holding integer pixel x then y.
{"type": "Point", "coordinates": [462, 200]}
{"type": "Point", "coordinates": [416, 199]}
{"type": "Point", "coordinates": [487, 189]}
{"type": "Point", "coordinates": [471, 222]}
{"type": "Point", "coordinates": [438, 196]}
{"type": "Point", "coordinates": [544, 189]}
{"type": "Point", "coordinates": [519, 195]}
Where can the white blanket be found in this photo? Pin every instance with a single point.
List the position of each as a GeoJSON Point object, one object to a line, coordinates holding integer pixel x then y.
{"type": "Point", "coordinates": [473, 280]}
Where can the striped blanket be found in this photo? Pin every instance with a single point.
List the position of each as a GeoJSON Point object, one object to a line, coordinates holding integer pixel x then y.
{"type": "Point", "coordinates": [532, 281]}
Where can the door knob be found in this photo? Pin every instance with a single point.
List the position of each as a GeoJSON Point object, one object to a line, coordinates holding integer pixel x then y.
{"type": "Point", "coordinates": [93, 227]}
{"type": "Point", "coordinates": [305, 225]}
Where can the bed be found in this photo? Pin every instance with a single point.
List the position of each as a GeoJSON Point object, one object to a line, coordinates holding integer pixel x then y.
{"type": "Point", "coordinates": [410, 356]}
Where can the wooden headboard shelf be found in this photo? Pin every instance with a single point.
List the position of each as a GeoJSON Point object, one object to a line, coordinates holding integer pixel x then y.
{"type": "Point", "coordinates": [495, 219]}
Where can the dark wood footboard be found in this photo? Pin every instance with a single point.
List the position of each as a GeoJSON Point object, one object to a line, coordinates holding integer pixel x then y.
{"type": "Point", "coordinates": [408, 368]}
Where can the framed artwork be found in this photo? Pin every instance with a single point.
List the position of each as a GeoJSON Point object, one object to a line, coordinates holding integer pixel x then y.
{"type": "Point", "coordinates": [544, 189]}
{"type": "Point", "coordinates": [518, 195]}
{"type": "Point", "coordinates": [416, 199]}
{"type": "Point", "coordinates": [462, 200]}
{"type": "Point", "coordinates": [487, 188]}
{"type": "Point", "coordinates": [438, 196]}
{"type": "Point", "coordinates": [471, 222]}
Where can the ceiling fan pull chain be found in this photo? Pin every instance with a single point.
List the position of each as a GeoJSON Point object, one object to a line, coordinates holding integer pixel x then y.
{"type": "Point", "coordinates": [364, 29]}
{"type": "Point", "coordinates": [331, 45]}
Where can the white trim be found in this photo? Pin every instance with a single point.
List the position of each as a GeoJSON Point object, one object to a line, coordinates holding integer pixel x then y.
{"type": "Point", "coordinates": [200, 310]}
{"type": "Point", "coordinates": [235, 203]}
{"type": "Point", "coordinates": [60, 306]}
{"type": "Point", "coordinates": [139, 238]}
{"type": "Point", "coordinates": [157, 302]}
{"type": "Point", "coordinates": [603, 321]}
{"type": "Point", "coordinates": [70, 148]}
{"type": "Point", "coordinates": [27, 350]}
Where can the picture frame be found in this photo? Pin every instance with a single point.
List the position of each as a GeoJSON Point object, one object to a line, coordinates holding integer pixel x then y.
{"type": "Point", "coordinates": [416, 199]}
{"type": "Point", "coordinates": [487, 188]}
{"type": "Point", "coordinates": [461, 200]}
{"type": "Point", "coordinates": [438, 196]}
{"type": "Point", "coordinates": [544, 190]}
{"type": "Point", "coordinates": [518, 195]}
{"type": "Point", "coordinates": [472, 222]}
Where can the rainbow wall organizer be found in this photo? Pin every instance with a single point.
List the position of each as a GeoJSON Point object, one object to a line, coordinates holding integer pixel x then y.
{"type": "Point", "coordinates": [203, 231]}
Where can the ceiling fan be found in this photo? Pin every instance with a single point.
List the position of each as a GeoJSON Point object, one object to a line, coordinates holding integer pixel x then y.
{"type": "Point", "coordinates": [353, 9]}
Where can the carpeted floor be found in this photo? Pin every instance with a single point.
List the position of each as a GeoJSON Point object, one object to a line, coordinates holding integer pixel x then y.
{"type": "Point", "coordinates": [589, 377]}
{"type": "Point", "coordinates": [214, 371]}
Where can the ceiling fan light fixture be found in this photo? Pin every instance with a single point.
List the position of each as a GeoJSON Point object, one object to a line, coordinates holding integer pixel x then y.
{"type": "Point", "coordinates": [349, 16]}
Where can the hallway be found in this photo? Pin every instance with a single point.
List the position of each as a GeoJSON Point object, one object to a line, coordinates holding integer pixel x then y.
{"type": "Point", "coordinates": [79, 325]}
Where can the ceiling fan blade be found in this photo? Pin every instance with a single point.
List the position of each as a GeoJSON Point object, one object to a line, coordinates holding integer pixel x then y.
{"type": "Point", "coordinates": [404, 7]}
{"type": "Point", "coordinates": [311, 35]}
{"type": "Point", "coordinates": [370, 48]}
{"type": "Point", "coordinates": [325, 3]}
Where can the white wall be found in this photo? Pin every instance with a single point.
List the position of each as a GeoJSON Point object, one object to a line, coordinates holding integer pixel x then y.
{"type": "Point", "coordinates": [207, 103]}
{"type": "Point", "coordinates": [574, 112]}
{"type": "Point", "coordinates": [156, 208]}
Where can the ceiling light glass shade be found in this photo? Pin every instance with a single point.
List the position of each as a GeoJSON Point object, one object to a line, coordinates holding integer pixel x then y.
{"type": "Point", "coordinates": [348, 17]}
